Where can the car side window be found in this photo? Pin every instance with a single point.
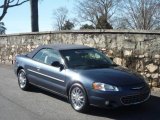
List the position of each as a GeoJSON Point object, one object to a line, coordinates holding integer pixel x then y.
{"type": "Point", "coordinates": [47, 56]}
{"type": "Point", "coordinates": [39, 56]}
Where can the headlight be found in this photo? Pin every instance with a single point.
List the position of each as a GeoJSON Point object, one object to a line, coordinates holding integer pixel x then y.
{"type": "Point", "coordinates": [104, 87]}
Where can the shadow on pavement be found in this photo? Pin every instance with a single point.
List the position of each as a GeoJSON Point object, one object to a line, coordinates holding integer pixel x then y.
{"type": "Point", "coordinates": [38, 90]}
{"type": "Point", "coordinates": [146, 111]}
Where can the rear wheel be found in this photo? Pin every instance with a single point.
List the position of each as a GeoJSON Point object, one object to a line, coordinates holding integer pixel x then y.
{"type": "Point", "coordinates": [22, 80]}
{"type": "Point", "coordinates": [78, 98]}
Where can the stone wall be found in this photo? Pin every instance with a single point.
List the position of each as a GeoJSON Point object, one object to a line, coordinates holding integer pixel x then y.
{"type": "Point", "coordinates": [137, 50]}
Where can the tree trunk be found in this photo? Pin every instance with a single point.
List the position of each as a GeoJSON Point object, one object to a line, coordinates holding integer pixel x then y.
{"type": "Point", "coordinates": [34, 15]}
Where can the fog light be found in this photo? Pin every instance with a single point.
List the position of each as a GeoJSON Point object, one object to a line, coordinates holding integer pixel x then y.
{"type": "Point", "coordinates": [107, 103]}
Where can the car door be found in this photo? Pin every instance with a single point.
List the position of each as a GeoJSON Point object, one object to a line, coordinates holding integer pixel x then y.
{"type": "Point", "coordinates": [33, 67]}
{"type": "Point", "coordinates": [46, 75]}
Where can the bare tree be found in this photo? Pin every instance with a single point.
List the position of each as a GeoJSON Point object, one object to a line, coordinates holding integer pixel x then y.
{"type": "Point", "coordinates": [60, 16]}
{"type": "Point", "coordinates": [93, 10]}
{"type": "Point", "coordinates": [8, 4]}
{"type": "Point", "coordinates": [140, 14]}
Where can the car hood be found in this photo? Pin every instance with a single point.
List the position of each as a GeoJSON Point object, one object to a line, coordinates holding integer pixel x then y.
{"type": "Point", "coordinates": [113, 75]}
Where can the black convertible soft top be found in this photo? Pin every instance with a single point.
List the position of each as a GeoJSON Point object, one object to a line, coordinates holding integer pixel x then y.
{"type": "Point", "coordinates": [58, 47]}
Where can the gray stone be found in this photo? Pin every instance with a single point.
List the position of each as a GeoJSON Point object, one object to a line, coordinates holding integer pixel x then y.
{"type": "Point", "coordinates": [154, 76]}
{"type": "Point", "coordinates": [110, 53]}
{"type": "Point", "coordinates": [139, 66]}
{"type": "Point", "coordinates": [146, 55]}
{"type": "Point", "coordinates": [10, 57]}
{"type": "Point", "coordinates": [157, 56]}
{"type": "Point", "coordinates": [154, 84]}
{"type": "Point", "coordinates": [104, 49]}
{"type": "Point", "coordinates": [148, 75]}
{"type": "Point", "coordinates": [118, 61]}
{"type": "Point", "coordinates": [127, 52]}
{"type": "Point", "coordinates": [141, 56]}
{"type": "Point", "coordinates": [152, 68]}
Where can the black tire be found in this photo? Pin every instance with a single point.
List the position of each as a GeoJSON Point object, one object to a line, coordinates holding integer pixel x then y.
{"type": "Point", "coordinates": [80, 103]}
{"type": "Point", "coordinates": [22, 80]}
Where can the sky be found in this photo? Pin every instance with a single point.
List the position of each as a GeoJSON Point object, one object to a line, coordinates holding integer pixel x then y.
{"type": "Point", "coordinates": [17, 19]}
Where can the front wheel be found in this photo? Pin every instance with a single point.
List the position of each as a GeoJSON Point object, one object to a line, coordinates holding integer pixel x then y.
{"type": "Point", "coordinates": [78, 98]}
{"type": "Point", "coordinates": [22, 80]}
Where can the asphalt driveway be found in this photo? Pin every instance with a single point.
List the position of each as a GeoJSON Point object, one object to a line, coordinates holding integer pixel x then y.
{"type": "Point", "coordinates": [37, 104]}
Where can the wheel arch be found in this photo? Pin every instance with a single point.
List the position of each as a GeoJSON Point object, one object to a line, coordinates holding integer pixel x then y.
{"type": "Point", "coordinates": [75, 82]}
{"type": "Point", "coordinates": [19, 68]}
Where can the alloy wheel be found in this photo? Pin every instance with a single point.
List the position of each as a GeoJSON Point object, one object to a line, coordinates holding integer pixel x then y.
{"type": "Point", "coordinates": [22, 79]}
{"type": "Point", "coordinates": [77, 98]}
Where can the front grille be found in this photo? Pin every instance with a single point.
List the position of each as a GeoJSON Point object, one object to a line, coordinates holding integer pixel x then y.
{"type": "Point", "coordinates": [134, 99]}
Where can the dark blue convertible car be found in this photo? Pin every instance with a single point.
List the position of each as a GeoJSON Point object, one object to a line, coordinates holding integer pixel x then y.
{"type": "Point", "coordinates": [82, 74]}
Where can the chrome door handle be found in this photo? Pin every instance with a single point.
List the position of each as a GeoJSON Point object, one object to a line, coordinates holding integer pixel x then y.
{"type": "Point", "coordinates": [38, 68]}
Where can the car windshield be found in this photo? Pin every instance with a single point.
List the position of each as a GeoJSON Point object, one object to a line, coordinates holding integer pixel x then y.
{"type": "Point", "coordinates": [86, 59]}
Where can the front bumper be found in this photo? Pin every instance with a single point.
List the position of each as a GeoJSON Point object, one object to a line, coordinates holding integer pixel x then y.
{"type": "Point", "coordinates": [110, 99]}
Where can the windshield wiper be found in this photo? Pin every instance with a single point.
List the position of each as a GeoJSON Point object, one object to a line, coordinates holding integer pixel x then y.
{"type": "Point", "coordinates": [104, 65]}
{"type": "Point", "coordinates": [114, 65]}
{"type": "Point", "coordinates": [99, 66]}
{"type": "Point", "coordinates": [95, 66]}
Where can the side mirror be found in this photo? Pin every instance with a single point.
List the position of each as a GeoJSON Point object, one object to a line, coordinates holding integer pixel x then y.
{"type": "Point", "coordinates": [58, 65]}
{"type": "Point", "coordinates": [111, 58]}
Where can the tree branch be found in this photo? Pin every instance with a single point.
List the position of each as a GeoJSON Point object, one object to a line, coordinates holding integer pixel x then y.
{"type": "Point", "coordinates": [16, 4]}
{"type": "Point", "coordinates": [7, 4]}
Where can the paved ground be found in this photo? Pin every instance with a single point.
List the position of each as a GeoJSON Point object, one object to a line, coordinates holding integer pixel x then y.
{"type": "Point", "coordinates": [39, 105]}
